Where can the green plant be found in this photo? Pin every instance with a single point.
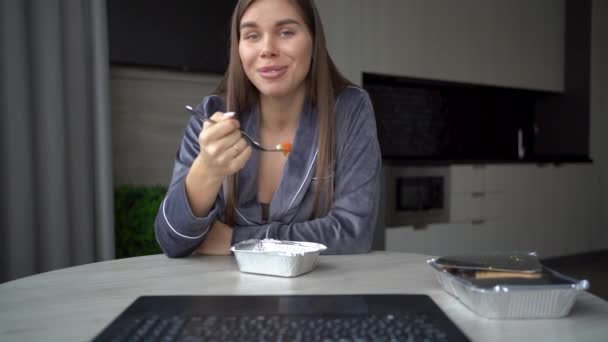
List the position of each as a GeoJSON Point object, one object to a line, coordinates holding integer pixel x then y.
{"type": "Point", "coordinates": [135, 209]}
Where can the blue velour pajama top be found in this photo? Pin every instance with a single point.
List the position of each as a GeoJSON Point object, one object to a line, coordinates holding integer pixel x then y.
{"type": "Point", "coordinates": [347, 227]}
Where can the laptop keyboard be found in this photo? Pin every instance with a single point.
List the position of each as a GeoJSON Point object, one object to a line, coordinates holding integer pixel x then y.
{"type": "Point", "coordinates": [415, 327]}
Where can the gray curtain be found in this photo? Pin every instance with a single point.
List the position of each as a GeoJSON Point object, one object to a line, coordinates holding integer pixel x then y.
{"type": "Point", "coordinates": [57, 207]}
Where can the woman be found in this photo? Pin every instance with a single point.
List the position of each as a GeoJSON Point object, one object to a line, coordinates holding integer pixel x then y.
{"type": "Point", "coordinates": [283, 86]}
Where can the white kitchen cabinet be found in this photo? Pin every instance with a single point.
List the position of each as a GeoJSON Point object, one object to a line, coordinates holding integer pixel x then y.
{"type": "Point", "coordinates": [520, 213]}
{"type": "Point", "coordinates": [475, 193]}
{"type": "Point", "coordinates": [571, 210]}
{"type": "Point", "coordinates": [543, 208]}
{"type": "Point", "coordinates": [467, 178]}
{"type": "Point", "coordinates": [476, 207]}
{"type": "Point", "coordinates": [548, 210]}
{"type": "Point", "coordinates": [507, 43]}
{"type": "Point", "coordinates": [444, 239]}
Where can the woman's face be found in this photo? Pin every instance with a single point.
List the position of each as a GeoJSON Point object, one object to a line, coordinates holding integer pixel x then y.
{"type": "Point", "coordinates": [275, 47]}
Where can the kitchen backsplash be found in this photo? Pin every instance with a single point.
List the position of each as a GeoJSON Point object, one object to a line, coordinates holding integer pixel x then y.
{"type": "Point", "coordinates": [421, 119]}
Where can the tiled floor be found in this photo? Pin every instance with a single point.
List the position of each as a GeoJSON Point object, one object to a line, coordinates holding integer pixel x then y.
{"type": "Point", "coordinates": [591, 266]}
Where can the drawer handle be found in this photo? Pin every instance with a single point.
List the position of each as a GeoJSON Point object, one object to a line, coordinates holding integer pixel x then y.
{"type": "Point", "coordinates": [421, 226]}
{"type": "Point", "coordinates": [478, 222]}
{"type": "Point", "coordinates": [478, 194]}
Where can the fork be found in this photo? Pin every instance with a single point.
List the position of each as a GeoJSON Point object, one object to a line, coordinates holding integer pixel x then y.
{"type": "Point", "coordinates": [254, 144]}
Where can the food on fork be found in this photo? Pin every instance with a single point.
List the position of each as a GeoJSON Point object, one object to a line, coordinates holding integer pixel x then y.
{"type": "Point", "coordinates": [285, 147]}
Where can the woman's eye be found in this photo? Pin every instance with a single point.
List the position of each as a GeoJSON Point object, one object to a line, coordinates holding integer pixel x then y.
{"type": "Point", "coordinates": [287, 33]}
{"type": "Point", "coordinates": [251, 36]}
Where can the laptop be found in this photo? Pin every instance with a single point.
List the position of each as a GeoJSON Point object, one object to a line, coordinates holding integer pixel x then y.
{"type": "Point", "coordinates": [283, 318]}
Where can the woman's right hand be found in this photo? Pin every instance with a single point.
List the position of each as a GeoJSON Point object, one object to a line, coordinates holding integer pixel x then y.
{"type": "Point", "coordinates": [222, 152]}
{"type": "Point", "coordinates": [222, 149]}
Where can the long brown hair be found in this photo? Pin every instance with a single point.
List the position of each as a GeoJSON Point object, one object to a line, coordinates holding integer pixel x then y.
{"type": "Point", "coordinates": [322, 86]}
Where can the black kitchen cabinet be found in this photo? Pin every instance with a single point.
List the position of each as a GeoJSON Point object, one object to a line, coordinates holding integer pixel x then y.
{"type": "Point", "coordinates": [187, 35]}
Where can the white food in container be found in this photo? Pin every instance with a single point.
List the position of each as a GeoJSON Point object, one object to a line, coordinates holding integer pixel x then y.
{"type": "Point", "coordinates": [277, 257]}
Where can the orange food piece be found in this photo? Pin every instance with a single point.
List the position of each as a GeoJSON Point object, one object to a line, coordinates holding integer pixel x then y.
{"type": "Point", "coordinates": [286, 147]}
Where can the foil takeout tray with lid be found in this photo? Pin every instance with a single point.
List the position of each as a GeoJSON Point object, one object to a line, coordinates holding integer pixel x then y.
{"type": "Point", "coordinates": [277, 257]}
{"type": "Point", "coordinates": [550, 295]}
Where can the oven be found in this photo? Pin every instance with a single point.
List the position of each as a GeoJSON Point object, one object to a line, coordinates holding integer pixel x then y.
{"type": "Point", "coordinates": [415, 195]}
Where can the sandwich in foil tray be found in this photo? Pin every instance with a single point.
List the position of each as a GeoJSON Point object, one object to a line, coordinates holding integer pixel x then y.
{"type": "Point", "coordinates": [277, 257]}
{"type": "Point", "coordinates": [510, 285]}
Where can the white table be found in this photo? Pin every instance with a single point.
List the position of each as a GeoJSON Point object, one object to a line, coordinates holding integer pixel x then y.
{"type": "Point", "coordinates": [75, 304]}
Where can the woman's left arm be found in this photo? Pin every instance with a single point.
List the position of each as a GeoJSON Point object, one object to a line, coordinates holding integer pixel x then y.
{"type": "Point", "coordinates": [348, 226]}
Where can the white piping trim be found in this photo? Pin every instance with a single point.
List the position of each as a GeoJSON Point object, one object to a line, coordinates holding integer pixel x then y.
{"type": "Point", "coordinates": [175, 231]}
{"type": "Point", "coordinates": [244, 218]}
{"type": "Point", "coordinates": [305, 177]}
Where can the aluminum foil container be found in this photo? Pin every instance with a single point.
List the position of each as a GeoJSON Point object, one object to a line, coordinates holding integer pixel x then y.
{"type": "Point", "coordinates": [277, 257]}
{"type": "Point", "coordinates": [550, 297]}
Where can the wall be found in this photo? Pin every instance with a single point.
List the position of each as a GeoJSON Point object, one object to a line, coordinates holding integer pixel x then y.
{"type": "Point", "coordinates": [599, 116]}
{"type": "Point", "coordinates": [149, 119]}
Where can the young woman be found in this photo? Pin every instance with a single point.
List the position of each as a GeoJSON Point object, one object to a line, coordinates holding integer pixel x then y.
{"type": "Point", "coordinates": [283, 86]}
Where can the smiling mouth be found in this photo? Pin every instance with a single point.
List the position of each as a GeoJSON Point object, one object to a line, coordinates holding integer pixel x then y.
{"type": "Point", "coordinates": [272, 72]}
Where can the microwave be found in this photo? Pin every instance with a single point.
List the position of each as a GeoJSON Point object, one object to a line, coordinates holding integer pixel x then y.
{"type": "Point", "coordinates": [415, 195]}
